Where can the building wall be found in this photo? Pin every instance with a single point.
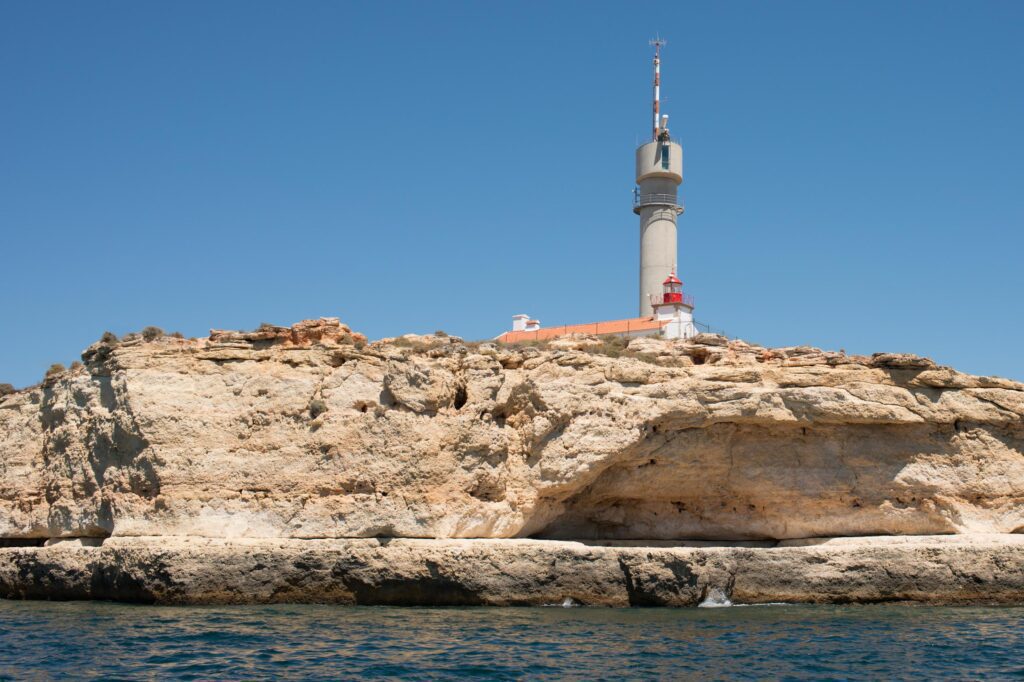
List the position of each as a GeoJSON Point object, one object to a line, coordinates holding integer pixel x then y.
{"type": "Point", "coordinates": [648, 161]}
{"type": "Point", "coordinates": [658, 240]}
{"type": "Point", "coordinates": [657, 252]}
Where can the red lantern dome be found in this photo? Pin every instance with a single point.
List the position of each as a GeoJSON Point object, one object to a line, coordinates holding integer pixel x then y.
{"type": "Point", "coordinates": [672, 289]}
{"type": "Point", "coordinates": [672, 293]}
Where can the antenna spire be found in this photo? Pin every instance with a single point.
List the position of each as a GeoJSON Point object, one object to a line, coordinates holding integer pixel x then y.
{"type": "Point", "coordinates": [657, 42]}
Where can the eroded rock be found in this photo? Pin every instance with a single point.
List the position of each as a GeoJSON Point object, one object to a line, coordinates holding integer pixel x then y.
{"type": "Point", "coordinates": [308, 432]}
{"type": "Point", "coordinates": [937, 570]}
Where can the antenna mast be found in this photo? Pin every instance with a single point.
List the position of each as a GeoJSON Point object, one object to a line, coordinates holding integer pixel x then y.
{"type": "Point", "coordinates": [658, 43]}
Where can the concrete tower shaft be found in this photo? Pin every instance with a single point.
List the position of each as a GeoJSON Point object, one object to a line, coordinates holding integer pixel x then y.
{"type": "Point", "coordinates": [659, 172]}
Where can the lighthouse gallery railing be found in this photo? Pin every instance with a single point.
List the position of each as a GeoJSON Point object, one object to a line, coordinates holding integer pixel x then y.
{"type": "Point", "coordinates": [671, 200]}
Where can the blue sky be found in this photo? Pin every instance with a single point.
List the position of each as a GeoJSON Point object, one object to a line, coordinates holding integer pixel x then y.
{"type": "Point", "coordinates": [853, 170]}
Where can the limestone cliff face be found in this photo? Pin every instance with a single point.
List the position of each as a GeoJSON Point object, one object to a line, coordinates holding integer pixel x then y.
{"type": "Point", "coordinates": [309, 432]}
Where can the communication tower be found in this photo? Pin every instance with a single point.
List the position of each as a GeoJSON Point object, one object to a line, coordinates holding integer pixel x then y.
{"type": "Point", "coordinates": [659, 172]}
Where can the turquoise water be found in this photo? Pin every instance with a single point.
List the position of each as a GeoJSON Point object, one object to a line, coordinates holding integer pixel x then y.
{"type": "Point", "coordinates": [113, 641]}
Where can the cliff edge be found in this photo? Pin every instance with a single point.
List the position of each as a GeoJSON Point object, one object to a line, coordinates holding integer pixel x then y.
{"type": "Point", "coordinates": [310, 434]}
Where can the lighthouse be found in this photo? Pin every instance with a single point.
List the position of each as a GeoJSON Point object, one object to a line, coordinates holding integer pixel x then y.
{"type": "Point", "coordinates": [659, 172]}
{"type": "Point", "coordinates": [665, 311]}
{"type": "Point", "coordinates": [673, 309]}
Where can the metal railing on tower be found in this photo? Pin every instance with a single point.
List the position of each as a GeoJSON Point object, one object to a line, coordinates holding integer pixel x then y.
{"type": "Point", "coordinates": [667, 200]}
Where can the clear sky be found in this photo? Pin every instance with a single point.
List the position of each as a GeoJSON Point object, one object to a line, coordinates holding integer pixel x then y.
{"type": "Point", "coordinates": [853, 169]}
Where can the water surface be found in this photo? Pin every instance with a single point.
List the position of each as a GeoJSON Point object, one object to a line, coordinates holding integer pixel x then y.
{"type": "Point", "coordinates": [115, 641]}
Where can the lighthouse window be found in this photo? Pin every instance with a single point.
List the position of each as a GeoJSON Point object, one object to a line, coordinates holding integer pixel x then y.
{"type": "Point", "coordinates": [664, 156]}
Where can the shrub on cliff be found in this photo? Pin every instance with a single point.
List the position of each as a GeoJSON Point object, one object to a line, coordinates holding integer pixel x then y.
{"type": "Point", "coordinates": [618, 347]}
{"type": "Point", "coordinates": [109, 338]}
{"type": "Point", "coordinates": [612, 346]}
{"type": "Point", "coordinates": [177, 335]}
{"type": "Point", "coordinates": [152, 333]}
{"type": "Point", "coordinates": [417, 344]}
{"type": "Point", "coordinates": [519, 345]}
{"type": "Point", "coordinates": [6, 389]}
{"type": "Point", "coordinates": [55, 369]}
{"type": "Point", "coordinates": [317, 408]}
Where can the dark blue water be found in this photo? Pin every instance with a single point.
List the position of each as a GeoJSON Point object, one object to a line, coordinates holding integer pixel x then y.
{"type": "Point", "coordinates": [112, 641]}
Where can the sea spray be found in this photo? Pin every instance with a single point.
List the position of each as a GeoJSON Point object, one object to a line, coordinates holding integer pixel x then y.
{"type": "Point", "coordinates": [715, 598]}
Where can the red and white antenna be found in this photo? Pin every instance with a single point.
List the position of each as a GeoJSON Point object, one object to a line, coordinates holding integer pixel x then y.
{"type": "Point", "coordinates": [658, 43]}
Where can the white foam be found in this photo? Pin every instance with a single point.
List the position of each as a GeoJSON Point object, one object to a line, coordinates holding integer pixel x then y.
{"type": "Point", "coordinates": [715, 599]}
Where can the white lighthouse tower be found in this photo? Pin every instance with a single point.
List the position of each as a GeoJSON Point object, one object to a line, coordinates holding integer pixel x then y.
{"type": "Point", "coordinates": [659, 172]}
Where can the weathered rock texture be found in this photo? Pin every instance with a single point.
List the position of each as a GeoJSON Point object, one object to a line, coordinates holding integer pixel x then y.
{"type": "Point", "coordinates": [948, 569]}
{"type": "Point", "coordinates": [308, 432]}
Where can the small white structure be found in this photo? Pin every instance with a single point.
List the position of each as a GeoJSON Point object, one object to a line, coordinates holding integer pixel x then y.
{"type": "Point", "coordinates": [674, 309]}
{"type": "Point", "coordinates": [523, 323]}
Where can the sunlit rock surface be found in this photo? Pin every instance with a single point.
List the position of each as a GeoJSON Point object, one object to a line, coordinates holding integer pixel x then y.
{"type": "Point", "coordinates": [309, 432]}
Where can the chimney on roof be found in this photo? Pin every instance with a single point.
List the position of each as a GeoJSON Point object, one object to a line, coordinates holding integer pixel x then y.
{"type": "Point", "coordinates": [524, 323]}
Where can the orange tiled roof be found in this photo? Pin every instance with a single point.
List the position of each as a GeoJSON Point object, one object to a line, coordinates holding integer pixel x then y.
{"type": "Point", "coordinates": [634, 324]}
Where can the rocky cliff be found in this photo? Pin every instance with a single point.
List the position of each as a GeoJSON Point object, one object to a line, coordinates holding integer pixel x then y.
{"type": "Point", "coordinates": [310, 433]}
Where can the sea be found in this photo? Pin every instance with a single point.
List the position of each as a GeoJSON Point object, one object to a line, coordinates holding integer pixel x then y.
{"type": "Point", "coordinates": [90, 640]}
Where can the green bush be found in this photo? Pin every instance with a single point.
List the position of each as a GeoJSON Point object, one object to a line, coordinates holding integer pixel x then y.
{"type": "Point", "coordinates": [152, 333]}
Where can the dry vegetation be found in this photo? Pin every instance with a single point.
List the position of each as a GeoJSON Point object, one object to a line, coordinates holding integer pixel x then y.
{"type": "Point", "coordinates": [608, 346]}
